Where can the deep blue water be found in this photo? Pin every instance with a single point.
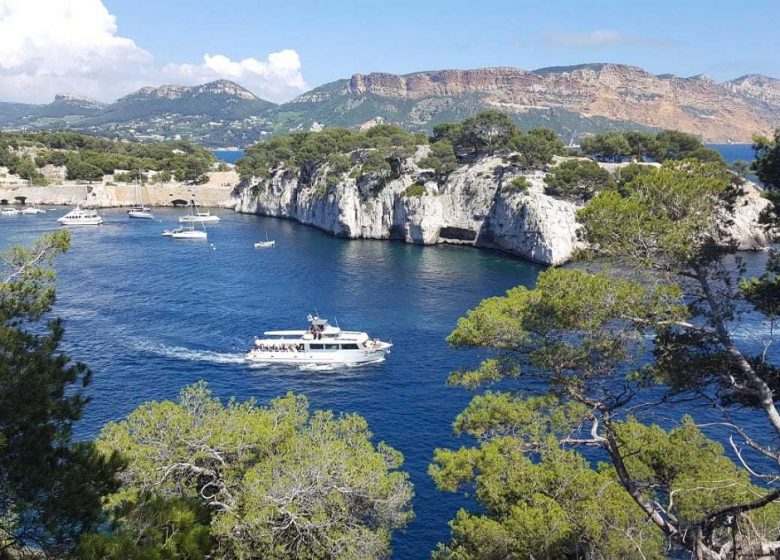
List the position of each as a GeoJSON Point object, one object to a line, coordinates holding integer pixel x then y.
{"type": "Point", "coordinates": [733, 152]}
{"type": "Point", "coordinates": [151, 314]}
{"type": "Point", "coordinates": [228, 156]}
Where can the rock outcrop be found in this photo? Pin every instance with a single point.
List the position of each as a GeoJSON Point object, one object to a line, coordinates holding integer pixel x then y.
{"type": "Point", "coordinates": [477, 205]}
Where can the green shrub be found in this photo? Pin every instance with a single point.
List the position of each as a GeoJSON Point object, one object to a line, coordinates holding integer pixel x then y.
{"type": "Point", "coordinates": [577, 180]}
{"type": "Point", "coordinates": [417, 189]}
{"type": "Point", "coordinates": [517, 184]}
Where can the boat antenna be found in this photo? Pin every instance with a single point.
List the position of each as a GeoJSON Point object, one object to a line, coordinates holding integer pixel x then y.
{"type": "Point", "coordinates": [335, 320]}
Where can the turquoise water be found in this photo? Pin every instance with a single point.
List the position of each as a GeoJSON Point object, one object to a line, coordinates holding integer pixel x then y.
{"type": "Point", "coordinates": [150, 315]}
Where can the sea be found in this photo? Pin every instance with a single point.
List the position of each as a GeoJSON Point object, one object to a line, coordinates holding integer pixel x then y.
{"type": "Point", "coordinates": [151, 315]}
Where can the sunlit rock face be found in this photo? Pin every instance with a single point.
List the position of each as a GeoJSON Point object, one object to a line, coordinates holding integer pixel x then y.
{"type": "Point", "coordinates": [476, 206]}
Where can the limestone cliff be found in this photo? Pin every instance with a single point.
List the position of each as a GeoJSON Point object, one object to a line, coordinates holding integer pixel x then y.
{"type": "Point", "coordinates": [477, 205]}
{"type": "Point", "coordinates": [574, 100]}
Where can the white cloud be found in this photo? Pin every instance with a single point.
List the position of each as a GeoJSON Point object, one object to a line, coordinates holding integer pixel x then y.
{"type": "Point", "coordinates": [52, 46]}
{"type": "Point", "coordinates": [278, 78]}
{"type": "Point", "coordinates": [597, 38]}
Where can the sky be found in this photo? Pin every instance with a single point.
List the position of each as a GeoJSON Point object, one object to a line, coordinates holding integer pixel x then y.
{"type": "Point", "coordinates": [107, 48]}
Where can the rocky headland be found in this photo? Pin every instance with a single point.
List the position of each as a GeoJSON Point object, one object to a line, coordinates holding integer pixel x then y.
{"type": "Point", "coordinates": [477, 205]}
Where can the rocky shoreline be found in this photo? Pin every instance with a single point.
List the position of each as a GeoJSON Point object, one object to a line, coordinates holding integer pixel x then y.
{"type": "Point", "coordinates": [477, 205]}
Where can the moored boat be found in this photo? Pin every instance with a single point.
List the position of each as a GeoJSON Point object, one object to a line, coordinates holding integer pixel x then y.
{"type": "Point", "coordinates": [140, 212]}
{"type": "Point", "coordinates": [321, 343]}
{"type": "Point", "coordinates": [9, 212]}
{"type": "Point", "coordinates": [199, 217]}
{"type": "Point", "coordinates": [185, 232]}
{"type": "Point", "coordinates": [32, 210]}
{"type": "Point", "coordinates": [267, 244]}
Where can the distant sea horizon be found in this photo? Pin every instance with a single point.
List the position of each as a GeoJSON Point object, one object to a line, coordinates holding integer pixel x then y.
{"type": "Point", "coordinates": [730, 152]}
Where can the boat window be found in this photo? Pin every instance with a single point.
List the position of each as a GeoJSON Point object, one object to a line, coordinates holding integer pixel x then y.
{"type": "Point", "coordinates": [315, 346]}
{"type": "Point", "coordinates": [349, 346]}
{"type": "Point", "coordinates": [331, 347]}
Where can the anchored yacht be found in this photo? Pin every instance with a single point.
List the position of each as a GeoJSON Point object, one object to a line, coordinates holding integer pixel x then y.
{"type": "Point", "coordinates": [199, 217]}
{"type": "Point", "coordinates": [186, 232]}
{"type": "Point", "coordinates": [81, 217]}
{"type": "Point", "coordinates": [321, 343]}
{"type": "Point", "coordinates": [32, 210]}
{"type": "Point", "coordinates": [140, 212]}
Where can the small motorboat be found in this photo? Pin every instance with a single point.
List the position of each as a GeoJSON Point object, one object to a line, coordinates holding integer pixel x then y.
{"type": "Point", "coordinates": [81, 217]}
{"type": "Point", "coordinates": [32, 210]}
{"type": "Point", "coordinates": [9, 212]}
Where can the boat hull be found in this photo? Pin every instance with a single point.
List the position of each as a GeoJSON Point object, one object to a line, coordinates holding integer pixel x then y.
{"type": "Point", "coordinates": [189, 235]}
{"type": "Point", "coordinates": [346, 357]}
{"type": "Point", "coordinates": [198, 219]}
{"type": "Point", "coordinates": [140, 215]}
{"type": "Point", "coordinates": [82, 222]}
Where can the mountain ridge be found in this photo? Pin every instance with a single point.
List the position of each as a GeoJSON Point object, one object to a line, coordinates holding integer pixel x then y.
{"type": "Point", "coordinates": [574, 100]}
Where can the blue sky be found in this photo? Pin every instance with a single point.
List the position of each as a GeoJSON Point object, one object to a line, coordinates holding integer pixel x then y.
{"type": "Point", "coordinates": [107, 48]}
{"type": "Point", "coordinates": [335, 39]}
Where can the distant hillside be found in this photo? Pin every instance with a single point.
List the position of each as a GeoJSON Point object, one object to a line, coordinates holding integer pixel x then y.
{"type": "Point", "coordinates": [219, 113]}
{"type": "Point", "coordinates": [572, 100]}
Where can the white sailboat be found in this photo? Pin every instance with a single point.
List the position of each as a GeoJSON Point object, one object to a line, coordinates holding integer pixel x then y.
{"type": "Point", "coordinates": [81, 217]}
{"type": "Point", "coordinates": [198, 217]}
{"type": "Point", "coordinates": [267, 244]}
{"type": "Point", "coordinates": [140, 211]}
{"type": "Point", "coordinates": [187, 231]}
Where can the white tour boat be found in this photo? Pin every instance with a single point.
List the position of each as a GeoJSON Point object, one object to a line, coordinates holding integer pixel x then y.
{"type": "Point", "coordinates": [321, 343]}
{"type": "Point", "coordinates": [81, 217]}
{"type": "Point", "coordinates": [32, 210]}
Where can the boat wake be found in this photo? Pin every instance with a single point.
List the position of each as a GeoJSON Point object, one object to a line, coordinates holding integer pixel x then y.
{"type": "Point", "coordinates": [188, 354]}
